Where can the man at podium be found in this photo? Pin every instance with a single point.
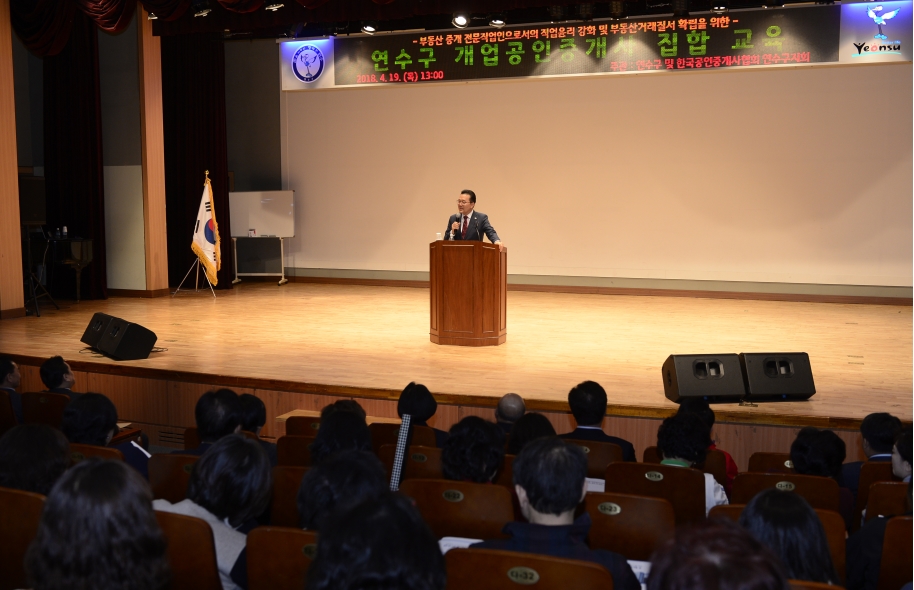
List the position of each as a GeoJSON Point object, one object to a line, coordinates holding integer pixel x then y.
{"type": "Point", "coordinates": [468, 224]}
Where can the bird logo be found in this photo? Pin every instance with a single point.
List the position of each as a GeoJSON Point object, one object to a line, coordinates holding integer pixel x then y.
{"type": "Point", "coordinates": [880, 19]}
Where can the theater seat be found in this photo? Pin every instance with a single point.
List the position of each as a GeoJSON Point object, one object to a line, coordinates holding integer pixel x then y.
{"type": "Point", "coordinates": [7, 416]}
{"type": "Point", "coordinates": [770, 463]}
{"type": "Point", "coordinates": [421, 462]}
{"type": "Point", "coordinates": [82, 452]}
{"type": "Point", "coordinates": [286, 481]}
{"type": "Point", "coordinates": [887, 498]}
{"type": "Point", "coordinates": [44, 408]}
{"type": "Point", "coordinates": [169, 476]}
{"type": "Point", "coordinates": [870, 473]}
{"type": "Point", "coordinates": [715, 463]}
{"type": "Point", "coordinates": [461, 509]}
{"type": "Point", "coordinates": [807, 585]}
{"type": "Point", "coordinates": [632, 526]}
{"type": "Point", "coordinates": [820, 492]}
{"type": "Point", "coordinates": [20, 513]}
{"type": "Point", "coordinates": [191, 552]}
{"type": "Point", "coordinates": [279, 557]}
{"type": "Point", "coordinates": [505, 475]}
{"type": "Point", "coordinates": [491, 569]}
{"type": "Point", "coordinates": [303, 425]}
{"type": "Point", "coordinates": [294, 451]}
{"type": "Point", "coordinates": [599, 455]}
{"type": "Point", "coordinates": [385, 433]}
{"type": "Point", "coordinates": [897, 550]}
{"type": "Point", "coordinates": [682, 487]}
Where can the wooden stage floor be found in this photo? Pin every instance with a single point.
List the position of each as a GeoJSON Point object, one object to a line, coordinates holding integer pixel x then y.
{"type": "Point", "coordinates": [342, 339]}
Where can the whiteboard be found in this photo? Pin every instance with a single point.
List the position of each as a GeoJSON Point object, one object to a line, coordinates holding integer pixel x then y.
{"type": "Point", "coordinates": [269, 213]}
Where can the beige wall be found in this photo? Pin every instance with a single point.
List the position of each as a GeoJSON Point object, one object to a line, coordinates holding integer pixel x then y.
{"type": "Point", "coordinates": [790, 175]}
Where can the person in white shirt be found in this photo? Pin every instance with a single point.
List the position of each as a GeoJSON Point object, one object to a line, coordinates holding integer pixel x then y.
{"type": "Point", "coordinates": [683, 441]}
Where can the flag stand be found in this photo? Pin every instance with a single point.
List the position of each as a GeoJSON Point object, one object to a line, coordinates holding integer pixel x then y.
{"type": "Point", "coordinates": [196, 279]}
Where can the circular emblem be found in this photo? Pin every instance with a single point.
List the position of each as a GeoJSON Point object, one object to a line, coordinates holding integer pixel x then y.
{"type": "Point", "coordinates": [315, 426]}
{"type": "Point", "coordinates": [523, 575]}
{"type": "Point", "coordinates": [77, 456]}
{"type": "Point", "coordinates": [308, 63]}
{"type": "Point", "coordinates": [418, 457]}
{"type": "Point", "coordinates": [785, 486]}
{"type": "Point", "coordinates": [188, 468]}
{"type": "Point", "coordinates": [654, 475]}
{"type": "Point", "coordinates": [309, 550]}
{"type": "Point", "coordinates": [788, 464]}
{"type": "Point", "coordinates": [585, 449]}
{"type": "Point", "coordinates": [453, 495]}
{"type": "Point", "coordinates": [609, 508]}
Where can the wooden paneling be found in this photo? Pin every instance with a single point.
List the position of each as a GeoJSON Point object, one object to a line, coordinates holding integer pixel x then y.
{"type": "Point", "coordinates": [280, 402]}
{"type": "Point", "coordinates": [379, 407]}
{"type": "Point", "coordinates": [31, 378]}
{"type": "Point", "coordinates": [11, 295]}
{"type": "Point", "coordinates": [136, 399]}
{"type": "Point", "coordinates": [182, 399]}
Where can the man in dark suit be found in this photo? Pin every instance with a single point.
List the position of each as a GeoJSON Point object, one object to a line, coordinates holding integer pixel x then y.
{"type": "Point", "coordinates": [468, 224]}
{"type": "Point", "coordinates": [588, 405]}
{"type": "Point", "coordinates": [879, 432]}
{"type": "Point", "coordinates": [58, 378]}
{"type": "Point", "coordinates": [217, 414]}
{"type": "Point", "coordinates": [9, 382]}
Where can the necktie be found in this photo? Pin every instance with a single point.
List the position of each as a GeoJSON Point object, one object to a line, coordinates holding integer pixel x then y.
{"type": "Point", "coordinates": [463, 232]}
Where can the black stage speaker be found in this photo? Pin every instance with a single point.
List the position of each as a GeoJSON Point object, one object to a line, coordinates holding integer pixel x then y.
{"type": "Point", "coordinates": [777, 376]}
{"type": "Point", "coordinates": [124, 341]}
{"type": "Point", "coordinates": [98, 325]}
{"type": "Point", "coordinates": [716, 378]}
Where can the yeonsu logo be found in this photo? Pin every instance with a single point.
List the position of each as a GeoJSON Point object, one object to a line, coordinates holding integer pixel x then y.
{"type": "Point", "coordinates": [877, 48]}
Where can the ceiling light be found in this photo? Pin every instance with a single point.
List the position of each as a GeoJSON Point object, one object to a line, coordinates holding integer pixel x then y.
{"type": "Point", "coordinates": [152, 16]}
{"type": "Point", "coordinates": [460, 20]}
{"type": "Point", "coordinates": [274, 6]}
{"type": "Point", "coordinates": [719, 7]}
{"type": "Point", "coordinates": [369, 28]}
{"type": "Point", "coordinates": [497, 22]}
{"type": "Point", "coordinates": [201, 8]}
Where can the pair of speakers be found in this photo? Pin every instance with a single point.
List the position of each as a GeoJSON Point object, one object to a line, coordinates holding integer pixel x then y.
{"type": "Point", "coordinates": [756, 376]}
{"type": "Point", "coordinates": [118, 338]}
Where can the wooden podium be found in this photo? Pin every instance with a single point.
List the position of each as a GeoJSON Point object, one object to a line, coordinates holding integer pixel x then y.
{"type": "Point", "coordinates": [469, 283]}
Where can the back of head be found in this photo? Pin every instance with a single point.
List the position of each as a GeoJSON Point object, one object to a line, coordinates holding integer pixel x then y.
{"type": "Point", "coordinates": [253, 412]}
{"type": "Point", "coordinates": [788, 526]}
{"type": "Point", "coordinates": [510, 408]}
{"type": "Point", "coordinates": [880, 430]}
{"type": "Point", "coordinates": [89, 420]}
{"type": "Point", "coordinates": [232, 479]}
{"type": "Point", "coordinates": [684, 436]}
{"type": "Point", "coordinates": [98, 530]}
{"type": "Point", "coordinates": [340, 431]}
{"type": "Point", "coordinates": [552, 474]}
{"type": "Point", "coordinates": [715, 555]}
{"type": "Point", "coordinates": [218, 414]}
{"type": "Point", "coordinates": [528, 428]}
{"type": "Point", "coordinates": [6, 368]}
{"type": "Point", "coordinates": [903, 444]}
{"type": "Point", "coordinates": [417, 401]}
{"type": "Point", "coordinates": [52, 371]}
{"type": "Point", "coordinates": [818, 452]}
{"type": "Point", "coordinates": [381, 543]}
{"type": "Point", "coordinates": [699, 407]}
{"type": "Point", "coordinates": [32, 458]}
{"type": "Point", "coordinates": [588, 403]}
{"type": "Point", "coordinates": [473, 451]}
{"type": "Point", "coordinates": [341, 481]}
{"type": "Point", "coordinates": [343, 405]}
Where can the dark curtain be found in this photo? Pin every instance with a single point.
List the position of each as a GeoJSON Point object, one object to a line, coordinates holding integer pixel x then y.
{"type": "Point", "coordinates": [73, 154]}
{"type": "Point", "coordinates": [193, 96]}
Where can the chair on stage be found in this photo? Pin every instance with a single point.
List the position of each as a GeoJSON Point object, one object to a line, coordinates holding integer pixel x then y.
{"type": "Point", "coordinates": [20, 513]}
{"type": "Point", "coordinates": [770, 463]}
{"type": "Point", "coordinates": [80, 452]}
{"type": "Point", "coordinates": [461, 509]}
{"type": "Point", "coordinates": [191, 552]}
{"type": "Point", "coordinates": [303, 425]}
{"type": "Point", "coordinates": [7, 416]}
{"type": "Point", "coordinates": [820, 492]}
{"type": "Point", "coordinates": [421, 462]}
{"type": "Point", "coordinates": [294, 451]}
{"type": "Point", "coordinates": [169, 476]}
{"type": "Point", "coordinates": [279, 557]}
{"type": "Point", "coordinates": [599, 455]}
{"type": "Point", "coordinates": [492, 569]}
{"type": "Point", "coordinates": [385, 433]}
{"type": "Point", "coordinates": [286, 481]}
{"type": "Point", "coordinates": [682, 487]}
{"type": "Point", "coordinates": [870, 473]}
{"type": "Point", "coordinates": [887, 498]}
{"type": "Point", "coordinates": [897, 551]}
{"type": "Point", "coordinates": [44, 408]}
{"type": "Point", "coordinates": [715, 463]}
{"type": "Point", "coordinates": [632, 526]}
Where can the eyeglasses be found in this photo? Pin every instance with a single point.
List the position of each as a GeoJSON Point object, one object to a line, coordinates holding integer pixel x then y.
{"type": "Point", "coordinates": [459, 202]}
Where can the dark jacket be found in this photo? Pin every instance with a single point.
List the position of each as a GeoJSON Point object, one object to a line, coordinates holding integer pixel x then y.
{"type": "Point", "coordinates": [597, 435]}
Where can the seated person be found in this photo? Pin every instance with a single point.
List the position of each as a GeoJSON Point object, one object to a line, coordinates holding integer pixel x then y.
{"type": "Point", "coordinates": [715, 555]}
{"type": "Point", "coordinates": [253, 419]}
{"type": "Point", "coordinates": [528, 428]}
{"type": "Point", "coordinates": [821, 453]}
{"type": "Point", "coordinates": [343, 405]}
{"type": "Point", "coordinates": [864, 551]}
{"type": "Point", "coordinates": [474, 451]}
{"type": "Point", "coordinates": [549, 480]}
{"type": "Point", "coordinates": [588, 406]}
{"type": "Point", "coordinates": [10, 379]}
{"type": "Point", "coordinates": [339, 482]}
{"type": "Point", "coordinates": [702, 409]}
{"type": "Point", "coordinates": [788, 526]}
{"type": "Point", "coordinates": [217, 414]}
{"type": "Point", "coordinates": [417, 401]}
{"type": "Point", "coordinates": [91, 419]}
{"type": "Point", "coordinates": [340, 431]}
{"type": "Point", "coordinates": [32, 458]}
{"type": "Point", "coordinates": [901, 456]}
{"type": "Point", "coordinates": [683, 441]}
{"type": "Point", "coordinates": [98, 530]}
{"type": "Point", "coordinates": [878, 432]}
{"type": "Point", "coordinates": [229, 488]}
{"type": "Point", "coordinates": [509, 410]}
{"type": "Point", "coordinates": [57, 377]}
{"type": "Point", "coordinates": [379, 543]}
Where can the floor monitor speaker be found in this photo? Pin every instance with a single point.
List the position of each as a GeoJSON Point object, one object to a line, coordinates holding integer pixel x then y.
{"type": "Point", "coordinates": [716, 378]}
{"type": "Point", "coordinates": [124, 341]}
{"type": "Point", "coordinates": [98, 325]}
{"type": "Point", "coordinates": [777, 376]}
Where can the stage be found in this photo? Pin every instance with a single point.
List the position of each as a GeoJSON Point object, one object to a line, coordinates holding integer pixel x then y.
{"type": "Point", "coordinates": [308, 343]}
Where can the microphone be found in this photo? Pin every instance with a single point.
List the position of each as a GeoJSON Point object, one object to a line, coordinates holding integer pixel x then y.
{"type": "Point", "coordinates": [457, 220]}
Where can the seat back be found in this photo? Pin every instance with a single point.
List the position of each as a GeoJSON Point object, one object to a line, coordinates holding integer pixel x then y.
{"type": "Point", "coordinates": [44, 408]}
{"type": "Point", "coordinates": [715, 463]}
{"type": "Point", "coordinates": [505, 475]}
{"type": "Point", "coordinates": [192, 437]}
{"type": "Point", "coordinates": [279, 557]}
{"type": "Point", "coordinates": [807, 585]}
{"type": "Point", "coordinates": [303, 425]}
{"type": "Point", "coordinates": [491, 569]}
{"type": "Point", "coordinates": [651, 455]}
{"type": "Point", "coordinates": [820, 492]}
{"type": "Point", "coordinates": [20, 513]}
{"type": "Point", "coordinates": [421, 462]}
{"type": "Point", "coordinates": [294, 451]}
{"type": "Point", "coordinates": [682, 487]}
{"type": "Point", "coordinates": [82, 452]}
{"type": "Point", "coordinates": [632, 526]}
{"type": "Point", "coordinates": [7, 416]}
{"type": "Point", "coordinates": [770, 463]}
{"type": "Point", "coordinates": [870, 473]}
{"type": "Point", "coordinates": [887, 498]}
{"type": "Point", "coordinates": [284, 508]}
{"type": "Point", "coordinates": [191, 552]}
{"type": "Point", "coordinates": [169, 476]}
{"type": "Point", "coordinates": [599, 455]}
{"type": "Point", "coordinates": [461, 509]}
{"type": "Point", "coordinates": [385, 433]}
{"type": "Point", "coordinates": [896, 564]}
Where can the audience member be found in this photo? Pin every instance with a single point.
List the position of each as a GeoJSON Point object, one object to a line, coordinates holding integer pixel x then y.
{"type": "Point", "coordinates": [528, 428]}
{"type": "Point", "coordinates": [821, 453]}
{"type": "Point", "coordinates": [10, 380]}
{"type": "Point", "coordinates": [715, 555]}
{"type": "Point", "coordinates": [379, 543]}
{"type": "Point", "coordinates": [509, 410]}
{"type": "Point", "coordinates": [879, 432]}
{"type": "Point", "coordinates": [217, 414]}
{"type": "Point", "coordinates": [340, 431]}
{"type": "Point", "coordinates": [417, 401]}
{"type": "Point", "coordinates": [474, 451]}
{"type": "Point", "coordinates": [864, 551]}
{"type": "Point", "coordinates": [98, 530]}
{"type": "Point", "coordinates": [57, 377]}
{"type": "Point", "coordinates": [701, 408]}
{"type": "Point", "coordinates": [788, 526]}
{"type": "Point", "coordinates": [341, 481]}
{"type": "Point", "coordinates": [253, 419]}
{"type": "Point", "coordinates": [549, 480]}
{"type": "Point", "coordinates": [32, 458]}
{"type": "Point", "coordinates": [901, 456]}
{"type": "Point", "coordinates": [91, 419]}
{"type": "Point", "coordinates": [343, 405]}
{"type": "Point", "coordinates": [229, 488]}
{"type": "Point", "coordinates": [588, 406]}
{"type": "Point", "coordinates": [683, 441]}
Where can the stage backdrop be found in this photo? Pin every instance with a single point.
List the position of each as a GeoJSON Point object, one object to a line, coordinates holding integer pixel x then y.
{"type": "Point", "coordinates": [785, 175]}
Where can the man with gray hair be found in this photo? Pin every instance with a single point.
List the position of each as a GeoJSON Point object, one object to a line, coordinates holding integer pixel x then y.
{"type": "Point", "coordinates": [509, 410]}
